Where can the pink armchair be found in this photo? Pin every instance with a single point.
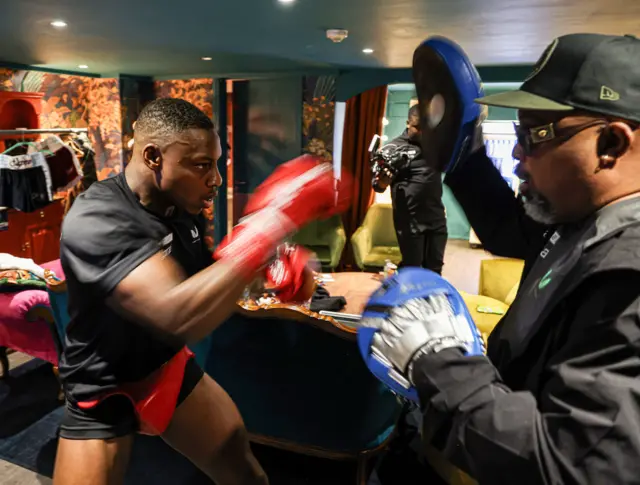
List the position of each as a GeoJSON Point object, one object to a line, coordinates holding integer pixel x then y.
{"type": "Point", "coordinates": [22, 324]}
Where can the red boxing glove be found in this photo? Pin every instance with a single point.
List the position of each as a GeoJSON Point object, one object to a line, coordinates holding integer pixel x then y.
{"type": "Point", "coordinates": [289, 276]}
{"type": "Point", "coordinates": [297, 192]}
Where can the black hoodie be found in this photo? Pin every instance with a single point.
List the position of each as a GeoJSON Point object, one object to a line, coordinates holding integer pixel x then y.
{"type": "Point", "coordinates": [416, 193]}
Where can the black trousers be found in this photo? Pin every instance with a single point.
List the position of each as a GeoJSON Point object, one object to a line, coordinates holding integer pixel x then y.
{"type": "Point", "coordinates": [424, 250]}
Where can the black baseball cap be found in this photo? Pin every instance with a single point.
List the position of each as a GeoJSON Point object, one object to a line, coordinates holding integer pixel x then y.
{"type": "Point", "coordinates": [593, 72]}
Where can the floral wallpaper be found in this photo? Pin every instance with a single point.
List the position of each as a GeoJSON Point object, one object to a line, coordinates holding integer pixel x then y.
{"type": "Point", "coordinates": [105, 125]}
{"type": "Point", "coordinates": [318, 108]}
{"type": "Point", "coordinates": [198, 92]}
{"type": "Point", "coordinates": [77, 102]}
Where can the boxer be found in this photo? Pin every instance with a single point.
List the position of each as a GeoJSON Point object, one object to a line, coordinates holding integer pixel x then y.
{"type": "Point", "coordinates": [141, 286]}
{"type": "Point", "coordinates": [556, 398]}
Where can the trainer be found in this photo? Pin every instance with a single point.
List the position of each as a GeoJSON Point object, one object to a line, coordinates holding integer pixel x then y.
{"type": "Point", "coordinates": [556, 399]}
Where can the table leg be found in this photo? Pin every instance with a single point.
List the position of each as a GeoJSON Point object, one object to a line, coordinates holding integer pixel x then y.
{"type": "Point", "coordinates": [4, 363]}
{"type": "Point", "coordinates": [56, 373]}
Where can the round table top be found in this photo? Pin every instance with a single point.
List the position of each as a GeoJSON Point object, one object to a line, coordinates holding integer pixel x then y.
{"type": "Point", "coordinates": [356, 287]}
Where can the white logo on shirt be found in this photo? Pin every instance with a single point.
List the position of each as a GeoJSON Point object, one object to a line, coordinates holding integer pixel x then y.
{"type": "Point", "coordinates": [552, 240]}
{"type": "Point", "coordinates": [195, 234]}
{"type": "Point", "coordinates": [166, 244]}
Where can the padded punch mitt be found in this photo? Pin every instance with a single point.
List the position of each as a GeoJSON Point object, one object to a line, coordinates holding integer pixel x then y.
{"type": "Point", "coordinates": [447, 83]}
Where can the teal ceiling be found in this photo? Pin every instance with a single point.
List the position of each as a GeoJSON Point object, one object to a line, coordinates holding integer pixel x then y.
{"type": "Point", "coordinates": [169, 37]}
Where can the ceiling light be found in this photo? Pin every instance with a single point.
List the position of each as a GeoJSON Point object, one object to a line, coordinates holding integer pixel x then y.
{"type": "Point", "coordinates": [367, 51]}
{"type": "Point", "coordinates": [83, 66]}
{"type": "Point", "coordinates": [59, 24]}
{"type": "Point", "coordinates": [207, 58]}
{"type": "Point", "coordinates": [286, 1]}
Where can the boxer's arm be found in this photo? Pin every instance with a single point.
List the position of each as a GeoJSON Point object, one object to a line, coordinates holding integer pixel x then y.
{"type": "Point", "coordinates": [581, 426]}
{"type": "Point", "coordinates": [106, 257]}
{"type": "Point", "coordinates": [495, 214]}
{"type": "Point", "coordinates": [156, 294]}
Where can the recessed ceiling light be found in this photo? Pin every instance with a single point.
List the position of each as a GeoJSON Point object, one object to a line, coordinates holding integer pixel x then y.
{"type": "Point", "coordinates": [286, 1]}
{"type": "Point", "coordinates": [367, 51]}
{"type": "Point", "coordinates": [207, 58]}
{"type": "Point", "coordinates": [59, 24]}
{"type": "Point", "coordinates": [83, 66]}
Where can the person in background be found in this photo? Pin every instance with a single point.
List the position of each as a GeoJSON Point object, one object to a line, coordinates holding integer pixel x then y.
{"type": "Point", "coordinates": [416, 195]}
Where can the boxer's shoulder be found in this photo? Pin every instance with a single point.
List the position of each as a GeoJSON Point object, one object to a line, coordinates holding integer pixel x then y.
{"type": "Point", "coordinates": [109, 210]}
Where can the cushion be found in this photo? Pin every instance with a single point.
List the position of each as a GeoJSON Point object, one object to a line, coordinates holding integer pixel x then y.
{"type": "Point", "coordinates": [19, 280]}
{"type": "Point", "coordinates": [54, 266]}
{"type": "Point", "coordinates": [511, 296]}
{"type": "Point", "coordinates": [22, 332]}
{"type": "Point", "coordinates": [498, 276]}
{"type": "Point", "coordinates": [379, 220]}
{"type": "Point", "coordinates": [486, 312]}
{"type": "Point", "coordinates": [379, 254]}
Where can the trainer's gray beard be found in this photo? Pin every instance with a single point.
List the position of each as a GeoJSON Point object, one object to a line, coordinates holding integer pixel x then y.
{"type": "Point", "coordinates": [539, 209]}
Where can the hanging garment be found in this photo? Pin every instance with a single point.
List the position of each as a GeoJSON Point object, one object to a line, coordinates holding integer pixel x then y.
{"type": "Point", "coordinates": [63, 163]}
{"type": "Point", "coordinates": [25, 182]}
{"type": "Point", "coordinates": [90, 176]}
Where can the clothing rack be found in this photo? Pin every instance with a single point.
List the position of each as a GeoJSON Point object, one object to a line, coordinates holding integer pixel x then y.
{"type": "Point", "coordinates": [59, 131]}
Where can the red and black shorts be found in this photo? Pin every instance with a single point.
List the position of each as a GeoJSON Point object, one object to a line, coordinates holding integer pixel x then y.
{"type": "Point", "coordinates": [116, 415]}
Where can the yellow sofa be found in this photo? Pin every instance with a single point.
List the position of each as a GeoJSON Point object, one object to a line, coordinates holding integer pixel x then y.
{"type": "Point", "coordinates": [375, 240]}
{"type": "Point", "coordinates": [500, 278]}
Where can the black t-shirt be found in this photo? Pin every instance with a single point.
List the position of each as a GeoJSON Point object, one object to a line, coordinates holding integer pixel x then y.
{"type": "Point", "coordinates": [107, 234]}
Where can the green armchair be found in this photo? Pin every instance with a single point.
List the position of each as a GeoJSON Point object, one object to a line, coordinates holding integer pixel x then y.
{"type": "Point", "coordinates": [326, 238]}
{"type": "Point", "coordinates": [375, 240]}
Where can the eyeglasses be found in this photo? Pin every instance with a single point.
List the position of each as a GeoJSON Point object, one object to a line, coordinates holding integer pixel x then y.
{"type": "Point", "coordinates": [529, 137]}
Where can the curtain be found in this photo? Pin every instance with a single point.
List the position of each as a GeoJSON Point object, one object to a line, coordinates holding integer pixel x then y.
{"type": "Point", "coordinates": [363, 119]}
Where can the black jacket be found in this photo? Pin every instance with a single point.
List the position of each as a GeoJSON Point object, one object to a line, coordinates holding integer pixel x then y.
{"type": "Point", "coordinates": [416, 194]}
{"type": "Point", "coordinates": [557, 399]}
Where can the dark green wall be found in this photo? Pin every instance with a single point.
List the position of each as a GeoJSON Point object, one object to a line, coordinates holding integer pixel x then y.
{"type": "Point", "coordinates": [353, 82]}
{"type": "Point", "coordinates": [500, 114]}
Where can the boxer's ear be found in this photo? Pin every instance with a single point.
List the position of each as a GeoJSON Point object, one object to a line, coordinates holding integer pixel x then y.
{"type": "Point", "coordinates": [152, 156]}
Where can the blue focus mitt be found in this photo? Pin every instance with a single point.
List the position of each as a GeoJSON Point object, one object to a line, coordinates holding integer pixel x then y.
{"type": "Point", "coordinates": [447, 83]}
{"type": "Point", "coordinates": [415, 312]}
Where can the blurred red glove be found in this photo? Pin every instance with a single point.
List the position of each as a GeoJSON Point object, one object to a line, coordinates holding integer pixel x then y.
{"type": "Point", "coordinates": [296, 193]}
{"type": "Point", "coordinates": [290, 275]}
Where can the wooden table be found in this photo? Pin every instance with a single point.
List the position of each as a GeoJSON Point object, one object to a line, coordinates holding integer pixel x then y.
{"type": "Point", "coordinates": [355, 287]}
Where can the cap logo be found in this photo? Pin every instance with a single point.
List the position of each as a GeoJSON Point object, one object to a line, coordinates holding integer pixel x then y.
{"type": "Point", "coordinates": [544, 58]}
{"type": "Point", "coordinates": [608, 94]}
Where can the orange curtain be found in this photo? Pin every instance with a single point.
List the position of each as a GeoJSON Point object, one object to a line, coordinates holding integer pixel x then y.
{"type": "Point", "coordinates": [363, 119]}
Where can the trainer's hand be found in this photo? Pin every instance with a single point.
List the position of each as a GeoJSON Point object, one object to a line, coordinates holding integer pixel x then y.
{"type": "Point", "coordinates": [296, 193]}
{"type": "Point", "coordinates": [290, 276]}
{"type": "Point", "coordinates": [415, 312]}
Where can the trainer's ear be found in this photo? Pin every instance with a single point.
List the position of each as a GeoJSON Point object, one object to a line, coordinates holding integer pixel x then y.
{"type": "Point", "coordinates": [615, 140]}
{"type": "Point", "coordinates": [152, 156]}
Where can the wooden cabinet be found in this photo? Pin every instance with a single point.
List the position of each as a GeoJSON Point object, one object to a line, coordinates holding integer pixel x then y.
{"type": "Point", "coordinates": [34, 235]}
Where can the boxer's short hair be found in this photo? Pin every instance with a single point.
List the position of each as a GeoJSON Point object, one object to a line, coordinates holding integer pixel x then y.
{"type": "Point", "coordinates": [166, 117]}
